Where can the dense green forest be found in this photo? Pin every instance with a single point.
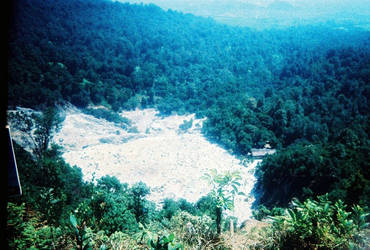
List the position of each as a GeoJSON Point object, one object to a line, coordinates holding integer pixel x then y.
{"type": "Point", "coordinates": [304, 90]}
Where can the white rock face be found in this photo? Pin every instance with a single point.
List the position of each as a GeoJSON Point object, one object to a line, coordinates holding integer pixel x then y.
{"type": "Point", "coordinates": [154, 150]}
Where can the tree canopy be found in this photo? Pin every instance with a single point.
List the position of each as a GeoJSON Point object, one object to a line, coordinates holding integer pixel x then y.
{"type": "Point", "coordinates": [303, 90]}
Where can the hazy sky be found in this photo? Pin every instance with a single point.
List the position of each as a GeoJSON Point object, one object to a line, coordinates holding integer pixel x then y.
{"type": "Point", "coordinates": [363, 3]}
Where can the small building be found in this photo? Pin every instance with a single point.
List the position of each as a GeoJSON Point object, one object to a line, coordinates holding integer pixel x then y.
{"type": "Point", "coordinates": [262, 152]}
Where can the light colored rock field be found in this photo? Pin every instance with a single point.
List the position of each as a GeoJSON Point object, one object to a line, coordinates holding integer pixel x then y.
{"type": "Point", "coordinates": [155, 151]}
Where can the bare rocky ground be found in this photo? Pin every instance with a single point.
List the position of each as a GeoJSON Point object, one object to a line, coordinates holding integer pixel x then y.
{"type": "Point", "coordinates": [153, 149]}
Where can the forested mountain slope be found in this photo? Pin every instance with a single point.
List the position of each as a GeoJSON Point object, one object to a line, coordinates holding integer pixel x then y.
{"type": "Point", "coordinates": [303, 90]}
{"type": "Point", "coordinates": [104, 51]}
{"type": "Point", "coordinates": [307, 84]}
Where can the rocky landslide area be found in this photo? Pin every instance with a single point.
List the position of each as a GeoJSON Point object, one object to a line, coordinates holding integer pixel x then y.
{"type": "Point", "coordinates": [161, 151]}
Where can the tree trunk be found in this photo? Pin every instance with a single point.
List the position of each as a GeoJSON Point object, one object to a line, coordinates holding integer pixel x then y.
{"type": "Point", "coordinates": [218, 219]}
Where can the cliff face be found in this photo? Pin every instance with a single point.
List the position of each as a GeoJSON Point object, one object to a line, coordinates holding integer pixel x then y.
{"type": "Point", "coordinates": [152, 149]}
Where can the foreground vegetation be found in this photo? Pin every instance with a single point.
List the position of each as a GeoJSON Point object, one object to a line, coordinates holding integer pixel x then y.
{"type": "Point", "coordinates": [60, 211]}
{"type": "Point", "coordinates": [302, 90]}
{"type": "Point", "coordinates": [65, 213]}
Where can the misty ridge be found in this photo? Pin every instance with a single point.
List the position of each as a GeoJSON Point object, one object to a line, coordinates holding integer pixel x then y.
{"type": "Point", "coordinates": [272, 13]}
{"type": "Point", "coordinates": [189, 124]}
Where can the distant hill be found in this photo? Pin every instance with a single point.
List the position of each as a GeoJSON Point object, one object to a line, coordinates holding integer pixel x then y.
{"type": "Point", "coordinates": [128, 55]}
{"type": "Point", "coordinates": [281, 5]}
{"type": "Point", "coordinates": [259, 14]}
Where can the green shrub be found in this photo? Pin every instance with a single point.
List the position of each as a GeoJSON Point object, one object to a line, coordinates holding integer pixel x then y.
{"type": "Point", "coordinates": [25, 230]}
{"type": "Point", "coordinates": [262, 212]}
{"type": "Point", "coordinates": [108, 115]}
{"type": "Point", "coordinates": [186, 125]}
{"type": "Point", "coordinates": [193, 230]}
{"type": "Point", "coordinates": [20, 233]}
{"type": "Point", "coordinates": [164, 242]}
{"type": "Point", "coordinates": [319, 224]}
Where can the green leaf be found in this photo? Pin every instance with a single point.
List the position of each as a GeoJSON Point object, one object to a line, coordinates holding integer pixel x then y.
{"type": "Point", "coordinates": [87, 247]}
{"type": "Point", "coordinates": [176, 247]}
{"type": "Point", "coordinates": [141, 226]}
{"type": "Point", "coordinates": [292, 215]}
{"type": "Point", "coordinates": [73, 220]}
{"type": "Point", "coordinates": [171, 237]}
{"type": "Point", "coordinates": [206, 177]}
{"type": "Point", "coordinates": [164, 240]}
{"type": "Point", "coordinates": [55, 201]}
{"type": "Point", "coordinates": [151, 243]}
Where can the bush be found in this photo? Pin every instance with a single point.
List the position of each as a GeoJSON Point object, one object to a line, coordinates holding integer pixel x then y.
{"type": "Point", "coordinates": [319, 224]}
{"type": "Point", "coordinates": [164, 242]}
{"type": "Point", "coordinates": [25, 230]}
{"type": "Point", "coordinates": [262, 212]}
{"type": "Point", "coordinates": [186, 125]}
{"type": "Point", "coordinates": [171, 207]}
{"type": "Point", "coordinates": [108, 115]}
{"type": "Point", "coordinates": [193, 230]}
